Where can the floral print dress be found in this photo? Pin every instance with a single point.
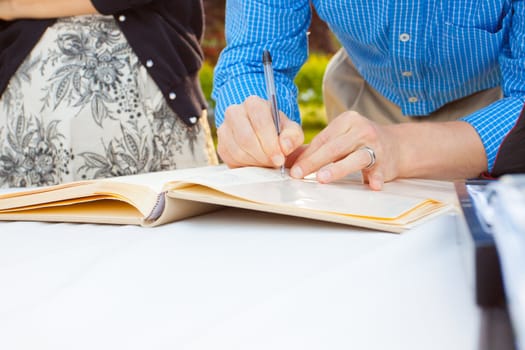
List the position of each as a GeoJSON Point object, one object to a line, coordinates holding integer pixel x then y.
{"type": "Point", "coordinates": [82, 106]}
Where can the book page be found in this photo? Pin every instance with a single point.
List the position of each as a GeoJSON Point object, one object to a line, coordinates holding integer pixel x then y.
{"type": "Point", "coordinates": [156, 180]}
{"type": "Point", "coordinates": [345, 197]}
{"type": "Point", "coordinates": [101, 211]}
{"type": "Point", "coordinates": [144, 192]}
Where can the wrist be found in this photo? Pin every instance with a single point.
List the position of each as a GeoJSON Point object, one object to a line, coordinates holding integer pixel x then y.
{"type": "Point", "coordinates": [405, 150]}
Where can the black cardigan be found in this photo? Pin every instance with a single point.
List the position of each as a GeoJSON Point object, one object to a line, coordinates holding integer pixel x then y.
{"type": "Point", "coordinates": [164, 34]}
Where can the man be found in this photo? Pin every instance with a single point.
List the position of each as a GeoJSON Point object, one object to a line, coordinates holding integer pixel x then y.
{"type": "Point", "coordinates": [413, 68]}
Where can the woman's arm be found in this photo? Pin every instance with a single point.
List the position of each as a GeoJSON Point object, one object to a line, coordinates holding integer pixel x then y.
{"type": "Point", "coordinates": [18, 9]}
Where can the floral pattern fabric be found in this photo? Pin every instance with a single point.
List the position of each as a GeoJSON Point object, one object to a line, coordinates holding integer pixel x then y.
{"type": "Point", "coordinates": [82, 106]}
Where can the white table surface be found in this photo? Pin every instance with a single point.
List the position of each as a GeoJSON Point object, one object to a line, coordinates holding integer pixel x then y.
{"type": "Point", "coordinates": [234, 279]}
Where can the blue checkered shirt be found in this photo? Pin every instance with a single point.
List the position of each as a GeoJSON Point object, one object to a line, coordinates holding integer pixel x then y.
{"type": "Point", "coordinates": [451, 49]}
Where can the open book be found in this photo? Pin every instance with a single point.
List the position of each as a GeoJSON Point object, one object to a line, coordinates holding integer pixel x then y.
{"type": "Point", "coordinates": [157, 198]}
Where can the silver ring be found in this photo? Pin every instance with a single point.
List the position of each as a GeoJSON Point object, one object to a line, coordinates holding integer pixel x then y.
{"type": "Point", "coordinates": [372, 156]}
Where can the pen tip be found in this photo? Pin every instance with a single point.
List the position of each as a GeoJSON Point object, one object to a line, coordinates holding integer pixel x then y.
{"type": "Point", "coordinates": [267, 58]}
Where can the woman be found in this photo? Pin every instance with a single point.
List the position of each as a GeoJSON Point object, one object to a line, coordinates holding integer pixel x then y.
{"type": "Point", "coordinates": [98, 88]}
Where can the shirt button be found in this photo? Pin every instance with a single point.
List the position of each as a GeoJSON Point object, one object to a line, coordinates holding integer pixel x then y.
{"type": "Point", "coordinates": [404, 37]}
{"type": "Point", "coordinates": [121, 18]}
{"type": "Point", "coordinates": [193, 119]}
{"type": "Point", "coordinates": [412, 99]}
{"type": "Point", "coordinates": [172, 95]}
{"type": "Point", "coordinates": [407, 73]}
{"type": "Point", "coordinates": [149, 63]}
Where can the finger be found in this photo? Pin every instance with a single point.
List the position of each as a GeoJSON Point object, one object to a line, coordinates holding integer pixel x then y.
{"type": "Point", "coordinates": [353, 162]}
{"type": "Point", "coordinates": [226, 158]}
{"type": "Point", "coordinates": [315, 144]}
{"type": "Point", "coordinates": [261, 120]}
{"type": "Point", "coordinates": [230, 152]}
{"type": "Point", "coordinates": [248, 147]}
{"type": "Point", "coordinates": [374, 178]}
{"type": "Point", "coordinates": [292, 157]}
{"type": "Point", "coordinates": [329, 152]}
{"type": "Point", "coordinates": [343, 136]}
{"type": "Point", "coordinates": [337, 127]}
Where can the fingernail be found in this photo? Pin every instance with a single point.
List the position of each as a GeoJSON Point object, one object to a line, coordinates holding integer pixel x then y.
{"type": "Point", "coordinates": [296, 172]}
{"type": "Point", "coordinates": [324, 175]}
{"type": "Point", "coordinates": [278, 160]}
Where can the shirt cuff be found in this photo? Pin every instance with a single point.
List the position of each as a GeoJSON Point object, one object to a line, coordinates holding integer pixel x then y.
{"type": "Point", "coordinates": [493, 123]}
{"type": "Point", "coordinates": [236, 91]}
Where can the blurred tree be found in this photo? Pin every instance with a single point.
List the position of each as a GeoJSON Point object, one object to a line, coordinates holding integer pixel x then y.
{"type": "Point", "coordinates": [320, 38]}
{"type": "Point", "coordinates": [213, 41]}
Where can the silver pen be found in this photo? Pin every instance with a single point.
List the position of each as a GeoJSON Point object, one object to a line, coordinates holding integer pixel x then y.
{"type": "Point", "coordinates": [271, 93]}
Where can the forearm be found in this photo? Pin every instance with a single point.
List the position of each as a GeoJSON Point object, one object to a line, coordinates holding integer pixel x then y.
{"type": "Point", "coordinates": [17, 9]}
{"type": "Point", "coordinates": [439, 150]}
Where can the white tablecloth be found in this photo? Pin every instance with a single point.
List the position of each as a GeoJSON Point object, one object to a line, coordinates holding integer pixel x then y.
{"type": "Point", "coordinates": [234, 279]}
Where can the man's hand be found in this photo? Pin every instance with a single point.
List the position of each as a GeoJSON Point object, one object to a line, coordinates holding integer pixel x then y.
{"type": "Point", "coordinates": [248, 136]}
{"type": "Point", "coordinates": [428, 150]}
{"type": "Point", "coordinates": [339, 150]}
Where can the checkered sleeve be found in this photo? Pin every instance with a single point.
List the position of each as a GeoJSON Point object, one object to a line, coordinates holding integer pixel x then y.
{"type": "Point", "coordinates": [279, 26]}
{"type": "Point", "coordinates": [494, 122]}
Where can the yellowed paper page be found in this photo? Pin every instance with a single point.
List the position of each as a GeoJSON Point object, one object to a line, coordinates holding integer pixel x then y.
{"type": "Point", "coordinates": [345, 197]}
{"type": "Point", "coordinates": [105, 211]}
